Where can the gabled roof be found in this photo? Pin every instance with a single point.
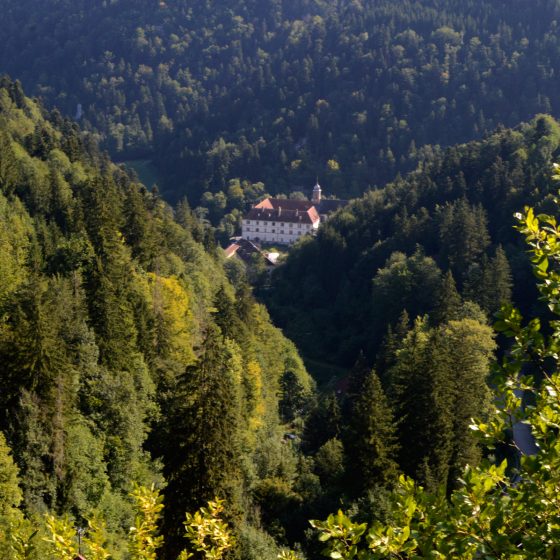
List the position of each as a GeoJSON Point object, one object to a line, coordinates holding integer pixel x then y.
{"type": "Point", "coordinates": [245, 250]}
{"type": "Point", "coordinates": [285, 204]}
{"type": "Point", "coordinates": [326, 206]}
{"type": "Point", "coordinates": [284, 215]}
{"type": "Point", "coordinates": [293, 211]}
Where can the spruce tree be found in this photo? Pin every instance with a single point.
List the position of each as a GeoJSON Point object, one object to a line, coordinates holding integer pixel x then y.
{"type": "Point", "coordinates": [203, 442]}
{"type": "Point", "coordinates": [387, 354]}
{"type": "Point", "coordinates": [496, 282]}
{"type": "Point", "coordinates": [448, 300]}
{"type": "Point", "coordinates": [469, 347]}
{"type": "Point", "coordinates": [423, 398]}
{"type": "Point", "coordinates": [371, 439]}
{"type": "Point", "coordinates": [323, 423]}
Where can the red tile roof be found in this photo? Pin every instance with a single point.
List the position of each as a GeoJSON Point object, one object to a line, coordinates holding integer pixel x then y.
{"type": "Point", "coordinates": [285, 204]}
{"type": "Point", "coordinates": [231, 250]}
{"type": "Point", "coordinates": [281, 214]}
{"type": "Point", "coordinates": [246, 250]}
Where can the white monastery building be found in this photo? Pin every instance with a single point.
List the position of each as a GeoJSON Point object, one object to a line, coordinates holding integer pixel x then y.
{"type": "Point", "coordinates": [276, 220]}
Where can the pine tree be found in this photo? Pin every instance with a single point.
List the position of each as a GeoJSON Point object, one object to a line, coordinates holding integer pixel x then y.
{"type": "Point", "coordinates": [202, 447]}
{"type": "Point", "coordinates": [448, 301]}
{"type": "Point", "coordinates": [371, 439]}
{"type": "Point", "coordinates": [423, 400]}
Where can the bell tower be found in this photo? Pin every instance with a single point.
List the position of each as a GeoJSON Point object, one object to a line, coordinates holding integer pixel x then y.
{"type": "Point", "coordinates": [316, 198]}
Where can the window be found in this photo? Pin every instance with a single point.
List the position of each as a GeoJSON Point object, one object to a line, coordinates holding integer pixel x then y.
{"type": "Point", "coordinates": [273, 223]}
{"type": "Point", "coordinates": [257, 228]}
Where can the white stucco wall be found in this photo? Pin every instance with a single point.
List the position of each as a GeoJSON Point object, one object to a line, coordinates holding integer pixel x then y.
{"type": "Point", "coordinates": [275, 232]}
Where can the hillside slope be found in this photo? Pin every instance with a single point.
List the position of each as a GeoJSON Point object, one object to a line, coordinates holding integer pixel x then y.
{"type": "Point", "coordinates": [280, 91]}
{"type": "Point", "coordinates": [127, 355]}
{"type": "Point", "coordinates": [393, 249]}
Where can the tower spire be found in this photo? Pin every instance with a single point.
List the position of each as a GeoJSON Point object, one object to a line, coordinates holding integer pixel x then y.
{"type": "Point", "coordinates": [316, 198]}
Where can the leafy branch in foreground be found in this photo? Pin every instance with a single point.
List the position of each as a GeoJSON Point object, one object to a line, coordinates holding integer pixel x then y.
{"type": "Point", "coordinates": [143, 542]}
{"type": "Point", "coordinates": [207, 532]}
{"type": "Point", "coordinates": [501, 510]}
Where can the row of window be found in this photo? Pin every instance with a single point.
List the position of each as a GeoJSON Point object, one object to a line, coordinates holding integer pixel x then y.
{"type": "Point", "coordinates": [278, 240]}
{"type": "Point", "coordinates": [290, 225]}
{"type": "Point", "coordinates": [272, 231]}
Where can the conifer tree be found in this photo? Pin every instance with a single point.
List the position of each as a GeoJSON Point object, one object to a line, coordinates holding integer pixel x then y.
{"type": "Point", "coordinates": [387, 354]}
{"type": "Point", "coordinates": [448, 301]}
{"type": "Point", "coordinates": [10, 493]}
{"type": "Point", "coordinates": [495, 289]}
{"type": "Point", "coordinates": [468, 346]}
{"type": "Point", "coordinates": [463, 235]}
{"type": "Point", "coordinates": [323, 423]}
{"type": "Point", "coordinates": [371, 439]}
{"type": "Point", "coordinates": [423, 404]}
{"type": "Point", "coordinates": [202, 447]}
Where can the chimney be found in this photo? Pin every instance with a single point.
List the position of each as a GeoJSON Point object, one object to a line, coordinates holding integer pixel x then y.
{"type": "Point", "coordinates": [279, 211]}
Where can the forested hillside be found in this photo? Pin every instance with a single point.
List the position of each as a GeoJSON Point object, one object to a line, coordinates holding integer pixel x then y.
{"type": "Point", "coordinates": [424, 244]}
{"type": "Point", "coordinates": [279, 91]}
{"type": "Point", "coordinates": [136, 361]}
{"type": "Point", "coordinates": [126, 354]}
{"type": "Point", "coordinates": [130, 353]}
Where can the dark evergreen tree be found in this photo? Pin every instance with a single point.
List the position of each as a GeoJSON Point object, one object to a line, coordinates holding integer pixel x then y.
{"type": "Point", "coordinates": [387, 354]}
{"type": "Point", "coordinates": [495, 289]}
{"type": "Point", "coordinates": [323, 423]}
{"type": "Point", "coordinates": [202, 447]}
{"type": "Point", "coordinates": [423, 404]}
{"type": "Point", "coordinates": [448, 301]}
{"type": "Point", "coordinates": [370, 440]}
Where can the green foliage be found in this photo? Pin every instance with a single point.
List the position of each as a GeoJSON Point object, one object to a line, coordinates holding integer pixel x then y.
{"type": "Point", "coordinates": [371, 442]}
{"type": "Point", "coordinates": [289, 555]}
{"type": "Point", "coordinates": [396, 246]}
{"type": "Point", "coordinates": [106, 298]}
{"type": "Point", "coordinates": [203, 457]}
{"type": "Point", "coordinates": [438, 383]}
{"type": "Point", "coordinates": [61, 539]}
{"type": "Point", "coordinates": [207, 532]}
{"type": "Point", "coordinates": [10, 493]}
{"type": "Point", "coordinates": [144, 542]}
{"type": "Point", "coordinates": [95, 539]}
{"type": "Point", "coordinates": [500, 509]}
{"type": "Point", "coordinates": [226, 91]}
{"type": "Point", "coordinates": [341, 534]}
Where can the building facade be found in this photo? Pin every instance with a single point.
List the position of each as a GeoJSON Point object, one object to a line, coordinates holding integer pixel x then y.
{"type": "Point", "coordinates": [284, 221]}
{"type": "Point", "coordinates": [280, 221]}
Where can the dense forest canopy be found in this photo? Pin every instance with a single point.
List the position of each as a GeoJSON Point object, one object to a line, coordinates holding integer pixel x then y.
{"type": "Point", "coordinates": [280, 91]}
{"type": "Point", "coordinates": [444, 228]}
{"type": "Point", "coordinates": [135, 360]}
{"type": "Point", "coordinates": [127, 355]}
{"type": "Point", "coordinates": [131, 353]}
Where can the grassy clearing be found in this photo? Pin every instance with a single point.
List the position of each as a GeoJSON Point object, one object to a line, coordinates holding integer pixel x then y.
{"type": "Point", "coordinates": [147, 172]}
